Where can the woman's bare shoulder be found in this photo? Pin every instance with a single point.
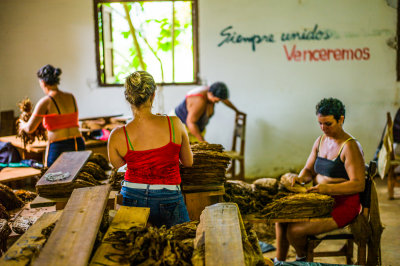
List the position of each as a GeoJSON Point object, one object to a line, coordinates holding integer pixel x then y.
{"type": "Point", "coordinates": [117, 131]}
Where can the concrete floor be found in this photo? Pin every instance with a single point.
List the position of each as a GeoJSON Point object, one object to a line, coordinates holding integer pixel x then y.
{"type": "Point", "coordinates": [390, 243]}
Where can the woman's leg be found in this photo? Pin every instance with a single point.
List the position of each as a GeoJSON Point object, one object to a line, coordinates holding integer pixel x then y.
{"type": "Point", "coordinates": [54, 151]}
{"type": "Point", "coordinates": [297, 233]}
{"type": "Point", "coordinates": [282, 243]}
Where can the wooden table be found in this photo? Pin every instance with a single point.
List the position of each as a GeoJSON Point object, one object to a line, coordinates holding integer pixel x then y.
{"type": "Point", "coordinates": [37, 149]}
{"type": "Point", "coordinates": [253, 219]}
{"type": "Point", "coordinates": [11, 175]}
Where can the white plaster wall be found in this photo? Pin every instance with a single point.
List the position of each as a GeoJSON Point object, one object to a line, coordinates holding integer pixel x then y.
{"type": "Point", "coordinates": [278, 96]}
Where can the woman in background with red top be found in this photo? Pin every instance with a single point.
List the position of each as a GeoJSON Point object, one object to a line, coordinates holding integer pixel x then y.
{"type": "Point", "coordinates": [152, 147]}
{"type": "Point", "coordinates": [59, 114]}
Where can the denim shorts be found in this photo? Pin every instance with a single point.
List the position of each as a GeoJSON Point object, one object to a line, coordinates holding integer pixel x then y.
{"type": "Point", "coordinates": [166, 206]}
{"type": "Point", "coordinates": [58, 147]}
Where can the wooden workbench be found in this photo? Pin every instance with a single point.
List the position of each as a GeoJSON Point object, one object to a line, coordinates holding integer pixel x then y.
{"type": "Point", "coordinates": [19, 176]}
{"type": "Point", "coordinates": [10, 174]}
{"type": "Point", "coordinates": [254, 219]}
{"type": "Point", "coordinates": [37, 149]}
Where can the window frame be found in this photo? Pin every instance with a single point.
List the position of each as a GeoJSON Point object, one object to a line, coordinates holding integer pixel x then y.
{"type": "Point", "coordinates": [96, 11]}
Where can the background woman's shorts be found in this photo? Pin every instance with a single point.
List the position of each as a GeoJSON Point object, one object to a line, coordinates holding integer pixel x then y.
{"type": "Point", "coordinates": [58, 147]}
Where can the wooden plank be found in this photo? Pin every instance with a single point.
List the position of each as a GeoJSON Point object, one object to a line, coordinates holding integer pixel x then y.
{"type": "Point", "coordinates": [125, 218]}
{"type": "Point", "coordinates": [18, 253]}
{"type": "Point", "coordinates": [73, 237]}
{"type": "Point", "coordinates": [9, 174]}
{"type": "Point", "coordinates": [45, 202]}
{"type": "Point", "coordinates": [223, 238]}
{"type": "Point", "coordinates": [70, 162]}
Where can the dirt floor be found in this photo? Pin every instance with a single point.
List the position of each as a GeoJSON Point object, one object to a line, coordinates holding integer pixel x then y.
{"type": "Point", "coordinates": [390, 217]}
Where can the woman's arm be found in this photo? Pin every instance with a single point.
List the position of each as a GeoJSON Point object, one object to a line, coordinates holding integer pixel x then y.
{"type": "Point", "coordinates": [113, 155]}
{"type": "Point", "coordinates": [34, 121]}
{"type": "Point", "coordinates": [355, 168]}
{"type": "Point", "coordinates": [185, 154]}
{"type": "Point", "coordinates": [307, 173]}
{"type": "Point", "coordinates": [196, 106]}
{"type": "Point", "coordinates": [230, 105]}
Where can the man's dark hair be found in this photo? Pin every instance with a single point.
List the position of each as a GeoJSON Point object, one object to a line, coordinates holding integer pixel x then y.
{"type": "Point", "coordinates": [331, 106]}
{"type": "Point", "coordinates": [219, 89]}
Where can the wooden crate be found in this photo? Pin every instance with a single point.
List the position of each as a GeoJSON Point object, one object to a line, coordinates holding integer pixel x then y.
{"type": "Point", "coordinates": [197, 201]}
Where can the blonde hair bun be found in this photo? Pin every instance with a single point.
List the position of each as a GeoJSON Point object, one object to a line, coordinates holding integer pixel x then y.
{"type": "Point", "coordinates": [139, 86]}
{"type": "Point", "coordinates": [135, 78]}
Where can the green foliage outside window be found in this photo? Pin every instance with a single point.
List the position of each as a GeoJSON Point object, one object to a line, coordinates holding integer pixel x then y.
{"type": "Point", "coordinates": [156, 36]}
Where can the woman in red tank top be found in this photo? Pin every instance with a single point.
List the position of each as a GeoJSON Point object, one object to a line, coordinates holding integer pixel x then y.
{"type": "Point", "coordinates": [59, 114]}
{"type": "Point", "coordinates": [151, 146]}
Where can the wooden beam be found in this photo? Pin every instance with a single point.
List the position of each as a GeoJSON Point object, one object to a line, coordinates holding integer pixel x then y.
{"type": "Point", "coordinates": [126, 217]}
{"type": "Point", "coordinates": [73, 238]}
{"type": "Point", "coordinates": [222, 235]}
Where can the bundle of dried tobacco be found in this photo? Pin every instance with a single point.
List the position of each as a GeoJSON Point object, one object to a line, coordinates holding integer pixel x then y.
{"type": "Point", "coordinates": [25, 106]}
{"type": "Point", "coordinates": [302, 205]}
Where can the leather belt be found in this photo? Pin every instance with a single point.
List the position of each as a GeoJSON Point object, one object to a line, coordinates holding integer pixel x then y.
{"type": "Point", "coordinates": [148, 186]}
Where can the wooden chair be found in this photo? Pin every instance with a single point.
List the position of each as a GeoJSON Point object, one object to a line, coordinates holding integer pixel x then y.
{"type": "Point", "coordinates": [387, 160]}
{"type": "Point", "coordinates": [237, 152]}
{"type": "Point", "coordinates": [345, 233]}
